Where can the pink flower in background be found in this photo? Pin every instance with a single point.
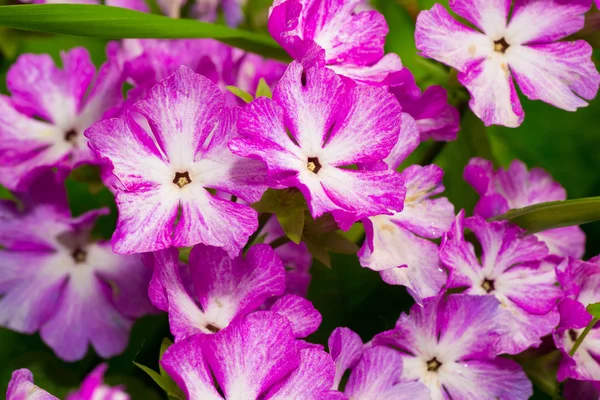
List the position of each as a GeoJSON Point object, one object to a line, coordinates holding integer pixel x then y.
{"type": "Point", "coordinates": [337, 34]}
{"type": "Point", "coordinates": [164, 166]}
{"type": "Point", "coordinates": [515, 187]}
{"type": "Point", "coordinates": [256, 357]}
{"type": "Point", "coordinates": [526, 47]}
{"type": "Point", "coordinates": [138, 5]}
{"type": "Point", "coordinates": [21, 387]}
{"type": "Point", "coordinates": [448, 344]}
{"type": "Point", "coordinates": [54, 280]}
{"type": "Point", "coordinates": [580, 281]}
{"type": "Point", "coordinates": [316, 125]}
{"type": "Point", "coordinates": [42, 123]}
{"type": "Point", "coordinates": [513, 269]}
{"type": "Point", "coordinates": [226, 289]}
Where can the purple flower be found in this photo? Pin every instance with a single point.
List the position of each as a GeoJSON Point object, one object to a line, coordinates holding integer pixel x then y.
{"type": "Point", "coordinates": [376, 371]}
{"type": "Point", "coordinates": [138, 5]}
{"type": "Point", "coordinates": [165, 162]}
{"type": "Point", "coordinates": [226, 289]}
{"type": "Point", "coordinates": [580, 281]}
{"type": "Point", "coordinates": [513, 269]}
{"type": "Point", "coordinates": [54, 280]}
{"type": "Point", "coordinates": [434, 117]}
{"type": "Point", "coordinates": [516, 187]}
{"type": "Point", "coordinates": [316, 125]}
{"type": "Point", "coordinates": [337, 34]}
{"type": "Point", "coordinates": [558, 73]}
{"type": "Point", "coordinates": [449, 346]}
{"type": "Point", "coordinates": [21, 387]}
{"type": "Point", "coordinates": [255, 357]}
{"type": "Point", "coordinates": [398, 245]}
{"type": "Point", "coordinates": [42, 123]}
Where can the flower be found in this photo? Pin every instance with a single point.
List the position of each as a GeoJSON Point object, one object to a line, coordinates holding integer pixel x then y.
{"type": "Point", "coordinates": [54, 280]}
{"type": "Point", "coordinates": [227, 289]}
{"type": "Point", "coordinates": [21, 387]}
{"type": "Point", "coordinates": [165, 165]}
{"type": "Point", "coordinates": [516, 187]}
{"type": "Point", "coordinates": [434, 117]}
{"type": "Point", "coordinates": [558, 73]}
{"type": "Point", "coordinates": [255, 357]}
{"type": "Point", "coordinates": [315, 126]}
{"type": "Point", "coordinates": [375, 372]}
{"type": "Point", "coordinates": [448, 345]}
{"type": "Point", "coordinates": [514, 269]}
{"type": "Point", "coordinates": [42, 123]}
{"type": "Point", "coordinates": [398, 247]}
{"type": "Point", "coordinates": [337, 34]}
{"type": "Point", "coordinates": [580, 280]}
{"type": "Point", "coordinates": [138, 5]}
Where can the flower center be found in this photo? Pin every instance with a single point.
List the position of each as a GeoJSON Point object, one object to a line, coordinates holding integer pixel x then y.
{"type": "Point", "coordinates": [488, 285]}
{"type": "Point", "coordinates": [433, 365]}
{"type": "Point", "coordinates": [182, 178]}
{"type": "Point", "coordinates": [212, 328]}
{"type": "Point", "coordinates": [501, 45]}
{"type": "Point", "coordinates": [79, 255]}
{"type": "Point", "coordinates": [313, 165]}
{"type": "Point", "coordinates": [70, 135]}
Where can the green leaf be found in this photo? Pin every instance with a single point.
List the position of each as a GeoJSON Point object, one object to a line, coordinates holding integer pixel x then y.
{"type": "Point", "coordinates": [166, 343]}
{"type": "Point", "coordinates": [184, 254]}
{"type": "Point", "coordinates": [292, 223]}
{"type": "Point", "coordinates": [319, 252]}
{"type": "Point", "coordinates": [594, 309]}
{"type": "Point", "coordinates": [117, 23]}
{"type": "Point", "coordinates": [263, 89]}
{"type": "Point", "coordinates": [164, 381]}
{"type": "Point", "coordinates": [242, 94]}
{"type": "Point", "coordinates": [554, 214]}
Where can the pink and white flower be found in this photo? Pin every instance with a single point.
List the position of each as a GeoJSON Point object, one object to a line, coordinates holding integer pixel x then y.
{"type": "Point", "coordinates": [448, 345]}
{"type": "Point", "coordinates": [515, 187]}
{"type": "Point", "coordinates": [316, 125]}
{"type": "Point", "coordinates": [42, 123]}
{"type": "Point", "coordinates": [255, 357]}
{"type": "Point", "coordinates": [335, 33]}
{"type": "Point", "coordinates": [165, 163]}
{"type": "Point", "coordinates": [514, 269]}
{"type": "Point", "coordinates": [54, 280]}
{"type": "Point", "coordinates": [526, 47]}
{"type": "Point", "coordinates": [226, 289]}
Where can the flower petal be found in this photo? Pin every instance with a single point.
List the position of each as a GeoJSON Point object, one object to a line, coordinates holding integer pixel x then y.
{"type": "Point", "coordinates": [493, 96]}
{"type": "Point", "coordinates": [302, 315]}
{"type": "Point", "coordinates": [489, 16]}
{"type": "Point", "coordinates": [346, 348]}
{"type": "Point", "coordinates": [556, 73]}
{"type": "Point", "coordinates": [21, 387]}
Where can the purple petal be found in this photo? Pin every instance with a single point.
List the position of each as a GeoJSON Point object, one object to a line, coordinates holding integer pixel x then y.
{"type": "Point", "coordinates": [302, 315]}
{"type": "Point", "coordinates": [346, 348]}
{"type": "Point", "coordinates": [489, 16]}
{"type": "Point", "coordinates": [408, 141]}
{"type": "Point", "coordinates": [556, 73]}
{"type": "Point", "coordinates": [21, 387]}
{"type": "Point", "coordinates": [186, 364]}
{"type": "Point", "coordinates": [311, 380]}
{"type": "Point", "coordinates": [493, 96]}
{"type": "Point", "coordinates": [93, 388]}
{"type": "Point", "coordinates": [557, 20]}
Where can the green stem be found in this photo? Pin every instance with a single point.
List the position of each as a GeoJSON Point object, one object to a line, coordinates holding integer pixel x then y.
{"type": "Point", "coordinates": [582, 336]}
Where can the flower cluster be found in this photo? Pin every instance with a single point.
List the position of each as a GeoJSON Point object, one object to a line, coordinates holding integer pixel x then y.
{"type": "Point", "coordinates": [207, 188]}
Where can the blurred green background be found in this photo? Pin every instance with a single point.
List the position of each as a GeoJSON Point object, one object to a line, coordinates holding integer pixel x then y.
{"type": "Point", "coordinates": [565, 144]}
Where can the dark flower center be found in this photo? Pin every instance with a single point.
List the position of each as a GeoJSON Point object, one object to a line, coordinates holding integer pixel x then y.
{"type": "Point", "coordinates": [488, 285]}
{"type": "Point", "coordinates": [79, 255]}
{"type": "Point", "coordinates": [433, 365]}
{"type": "Point", "coordinates": [313, 165]}
{"type": "Point", "coordinates": [182, 178]}
{"type": "Point", "coordinates": [70, 135]}
{"type": "Point", "coordinates": [501, 45]}
{"type": "Point", "coordinates": [573, 335]}
{"type": "Point", "coordinates": [212, 328]}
